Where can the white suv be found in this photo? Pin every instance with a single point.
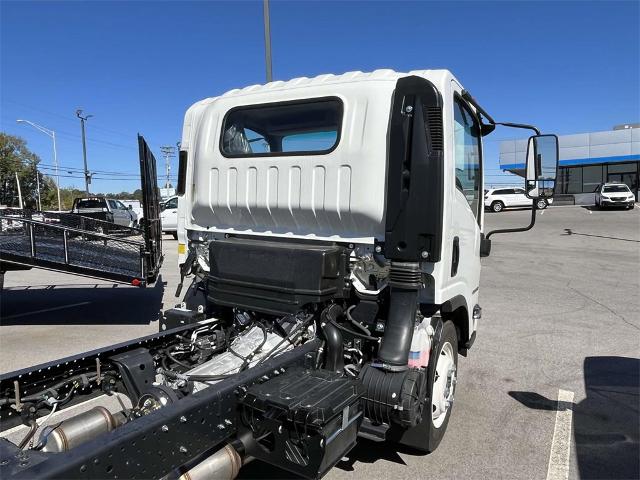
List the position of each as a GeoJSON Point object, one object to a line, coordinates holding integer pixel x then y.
{"type": "Point", "coordinates": [497, 199]}
{"type": "Point", "coordinates": [614, 195]}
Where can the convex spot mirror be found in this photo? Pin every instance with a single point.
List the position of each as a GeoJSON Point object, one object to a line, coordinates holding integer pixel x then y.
{"type": "Point", "coordinates": [542, 166]}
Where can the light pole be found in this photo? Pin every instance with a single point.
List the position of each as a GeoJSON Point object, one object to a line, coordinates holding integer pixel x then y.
{"type": "Point", "coordinates": [87, 175]}
{"type": "Point", "coordinates": [52, 135]}
{"type": "Point", "coordinates": [267, 39]}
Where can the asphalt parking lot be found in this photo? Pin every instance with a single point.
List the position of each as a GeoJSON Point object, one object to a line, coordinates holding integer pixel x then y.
{"type": "Point", "coordinates": [561, 316]}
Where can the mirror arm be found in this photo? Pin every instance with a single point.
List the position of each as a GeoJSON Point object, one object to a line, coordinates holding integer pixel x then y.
{"type": "Point", "coordinates": [534, 207]}
{"type": "Point", "coordinates": [520, 125]}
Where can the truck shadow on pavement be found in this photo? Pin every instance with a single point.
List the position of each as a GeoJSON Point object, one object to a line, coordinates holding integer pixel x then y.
{"type": "Point", "coordinates": [606, 424]}
{"type": "Point", "coordinates": [82, 304]}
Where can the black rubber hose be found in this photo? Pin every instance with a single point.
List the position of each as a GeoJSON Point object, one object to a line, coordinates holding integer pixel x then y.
{"type": "Point", "coordinates": [398, 332]}
{"type": "Point", "coordinates": [356, 323]}
{"type": "Point", "coordinates": [169, 353]}
{"type": "Point", "coordinates": [33, 427]}
{"type": "Point", "coordinates": [334, 360]}
{"type": "Point", "coordinates": [353, 333]}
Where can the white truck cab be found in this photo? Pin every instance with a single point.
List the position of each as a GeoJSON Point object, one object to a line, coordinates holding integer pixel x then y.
{"type": "Point", "coordinates": [386, 166]}
{"type": "Point", "coordinates": [333, 228]}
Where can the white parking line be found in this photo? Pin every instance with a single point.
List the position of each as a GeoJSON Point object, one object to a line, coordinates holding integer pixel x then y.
{"type": "Point", "coordinates": [61, 307]}
{"type": "Point", "coordinates": [561, 444]}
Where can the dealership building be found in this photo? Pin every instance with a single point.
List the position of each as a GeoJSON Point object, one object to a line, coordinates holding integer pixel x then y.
{"type": "Point", "coordinates": [586, 161]}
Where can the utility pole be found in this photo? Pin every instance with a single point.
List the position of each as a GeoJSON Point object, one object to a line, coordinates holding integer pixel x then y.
{"type": "Point", "coordinates": [169, 152]}
{"type": "Point", "coordinates": [87, 175]}
{"type": "Point", "coordinates": [35, 169]}
{"type": "Point", "coordinates": [19, 192]}
{"type": "Point", "coordinates": [267, 40]}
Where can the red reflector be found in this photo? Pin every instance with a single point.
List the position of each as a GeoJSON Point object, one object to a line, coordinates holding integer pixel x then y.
{"type": "Point", "coordinates": [135, 282]}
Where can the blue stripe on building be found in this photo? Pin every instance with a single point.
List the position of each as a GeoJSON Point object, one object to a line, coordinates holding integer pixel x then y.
{"type": "Point", "coordinates": [580, 161]}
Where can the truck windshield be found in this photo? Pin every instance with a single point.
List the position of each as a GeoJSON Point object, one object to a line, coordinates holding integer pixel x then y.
{"type": "Point", "coordinates": [289, 128]}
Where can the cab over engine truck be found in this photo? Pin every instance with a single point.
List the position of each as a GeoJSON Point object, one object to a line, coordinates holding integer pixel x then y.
{"type": "Point", "coordinates": [333, 229]}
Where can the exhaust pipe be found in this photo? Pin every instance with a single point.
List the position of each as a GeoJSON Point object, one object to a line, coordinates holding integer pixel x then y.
{"type": "Point", "coordinates": [222, 465]}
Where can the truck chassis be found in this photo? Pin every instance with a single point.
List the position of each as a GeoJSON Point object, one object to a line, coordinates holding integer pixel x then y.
{"type": "Point", "coordinates": [176, 436]}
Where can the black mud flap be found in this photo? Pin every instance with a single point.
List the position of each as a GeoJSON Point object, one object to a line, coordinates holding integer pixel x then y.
{"type": "Point", "coordinates": [151, 207]}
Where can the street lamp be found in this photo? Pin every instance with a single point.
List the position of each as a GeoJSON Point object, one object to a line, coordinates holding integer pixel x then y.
{"type": "Point", "coordinates": [52, 135]}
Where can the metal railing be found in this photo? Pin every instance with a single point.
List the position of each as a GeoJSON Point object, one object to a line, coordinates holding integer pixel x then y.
{"type": "Point", "coordinates": [32, 239]}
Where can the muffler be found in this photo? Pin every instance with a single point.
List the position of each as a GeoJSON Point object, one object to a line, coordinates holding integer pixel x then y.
{"type": "Point", "coordinates": [222, 465]}
{"type": "Point", "coordinates": [80, 429]}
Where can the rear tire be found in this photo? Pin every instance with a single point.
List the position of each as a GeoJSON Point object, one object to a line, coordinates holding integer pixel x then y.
{"type": "Point", "coordinates": [541, 204]}
{"type": "Point", "coordinates": [497, 206]}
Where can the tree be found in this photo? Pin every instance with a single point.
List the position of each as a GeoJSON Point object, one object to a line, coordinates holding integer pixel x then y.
{"type": "Point", "coordinates": [15, 157]}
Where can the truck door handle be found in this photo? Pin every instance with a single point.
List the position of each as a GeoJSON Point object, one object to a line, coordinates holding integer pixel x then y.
{"type": "Point", "coordinates": [455, 256]}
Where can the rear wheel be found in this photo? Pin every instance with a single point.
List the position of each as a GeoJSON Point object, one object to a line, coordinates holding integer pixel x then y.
{"type": "Point", "coordinates": [541, 204]}
{"type": "Point", "coordinates": [443, 384]}
{"type": "Point", "coordinates": [428, 434]}
{"type": "Point", "coordinates": [497, 206]}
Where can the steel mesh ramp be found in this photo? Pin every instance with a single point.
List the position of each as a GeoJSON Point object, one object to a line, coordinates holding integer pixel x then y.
{"type": "Point", "coordinates": [87, 246]}
{"type": "Point", "coordinates": [74, 244]}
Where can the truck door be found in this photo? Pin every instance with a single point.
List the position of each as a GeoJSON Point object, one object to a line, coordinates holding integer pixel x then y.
{"type": "Point", "coordinates": [151, 211]}
{"type": "Point", "coordinates": [118, 218]}
{"type": "Point", "coordinates": [467, 201]}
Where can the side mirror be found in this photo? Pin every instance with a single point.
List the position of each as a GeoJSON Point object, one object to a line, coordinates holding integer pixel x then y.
{"type": "Point", "coordinates": [542, 166]}
{"type": "Point", "coordinates": [130, 207]}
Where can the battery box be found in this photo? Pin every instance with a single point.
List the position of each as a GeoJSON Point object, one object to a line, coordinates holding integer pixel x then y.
{"type": "Point", "coordinates": [303, 420]}
{"type": "Point", "coordinates": [276, 277]}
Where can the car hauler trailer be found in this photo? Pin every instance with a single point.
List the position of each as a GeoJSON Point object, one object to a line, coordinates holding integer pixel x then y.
{"type": "Point", "coordinates": [335, 229]}
{"type": "Point", "coordinates": [81, 245]}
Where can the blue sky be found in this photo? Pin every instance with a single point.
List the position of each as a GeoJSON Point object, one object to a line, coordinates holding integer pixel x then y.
{"type": "Point", "coordinates": [567, 67]}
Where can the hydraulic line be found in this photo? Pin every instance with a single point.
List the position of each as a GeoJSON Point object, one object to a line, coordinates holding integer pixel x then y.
{"type": "Point", "coordinates": [355, 334]}
{"type": "Point", "coordinates": [356, 323]}
{"type": "Point", "coordinates": [293, 331]}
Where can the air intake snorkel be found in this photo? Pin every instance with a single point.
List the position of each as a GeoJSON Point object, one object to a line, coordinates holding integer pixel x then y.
{"type": "Point", "coordinates": [405, 279]}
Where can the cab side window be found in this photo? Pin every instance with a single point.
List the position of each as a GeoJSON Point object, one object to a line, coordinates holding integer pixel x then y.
{"type": "Point", "coordinates": [466, 137]}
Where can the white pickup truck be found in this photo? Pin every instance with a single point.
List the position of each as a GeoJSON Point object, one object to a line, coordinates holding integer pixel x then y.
{"type": "Point", "coordinates": [106, 209]}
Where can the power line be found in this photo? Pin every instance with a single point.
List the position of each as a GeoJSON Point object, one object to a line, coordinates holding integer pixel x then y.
{"type": "Point", "coordinates": [67, 118]}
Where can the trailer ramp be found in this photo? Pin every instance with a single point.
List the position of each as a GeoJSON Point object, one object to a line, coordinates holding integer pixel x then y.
{"type": "Point", "coordinates": [71, 243]}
